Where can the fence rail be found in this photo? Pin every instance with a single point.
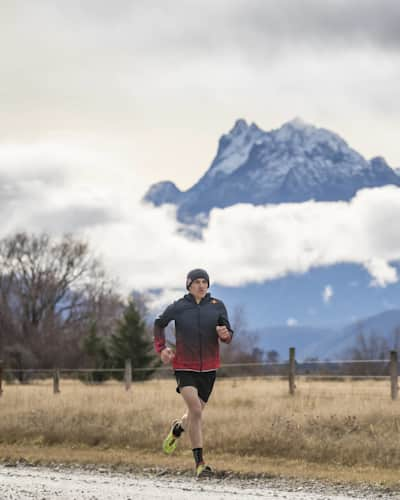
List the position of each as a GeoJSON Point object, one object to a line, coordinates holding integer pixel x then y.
{"type": "Point", "coordinates": [290, 369]}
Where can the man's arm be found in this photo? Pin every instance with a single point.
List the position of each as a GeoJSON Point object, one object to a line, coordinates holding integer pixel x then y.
{"type": "Point", "coordinates": [224, 330]}
{"type": "Point", "coordinates": [159, 327]}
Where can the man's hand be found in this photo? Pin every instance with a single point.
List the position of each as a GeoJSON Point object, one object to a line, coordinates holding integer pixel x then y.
{"type": "Point", "coordinates": [167, 355]}
{"type": "Point", "coordinates": [223, 333]}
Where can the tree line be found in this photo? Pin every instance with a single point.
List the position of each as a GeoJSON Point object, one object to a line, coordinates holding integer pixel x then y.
{"type": "Point", "coordinates": [59, 309]}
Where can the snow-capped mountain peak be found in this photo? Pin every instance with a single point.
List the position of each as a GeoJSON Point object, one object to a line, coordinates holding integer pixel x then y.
{"type": "Point", "coordinates": [301, 133]}
{"type": "Point", "coordinates": [294, 163]}
{"type": "Point", "coordinates": [235, 147]}
{"type": "Point", "coordinates": [299, 123]}
{"type": "Point", "coordinates": [293, 126]}
{"type": "Point", "coordinates": [239, 127]}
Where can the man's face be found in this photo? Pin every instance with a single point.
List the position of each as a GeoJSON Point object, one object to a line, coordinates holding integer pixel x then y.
{"type": "Point", "coordinates": [199, 288]}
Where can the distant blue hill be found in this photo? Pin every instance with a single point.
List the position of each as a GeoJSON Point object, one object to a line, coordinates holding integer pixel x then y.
{"type": "Point", "coordinates": [329, 343]}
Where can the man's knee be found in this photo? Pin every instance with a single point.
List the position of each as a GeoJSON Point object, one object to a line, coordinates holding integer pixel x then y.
{"type": "Point", "coordinates": [195, 412]}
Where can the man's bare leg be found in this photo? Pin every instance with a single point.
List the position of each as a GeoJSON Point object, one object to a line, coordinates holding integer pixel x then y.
{"type": "Point", "coordinates": [192, 418]}
{"type": "Point", "coordinates": [184, 421]}
{"type": "Point", "coordinates": [193, 402]}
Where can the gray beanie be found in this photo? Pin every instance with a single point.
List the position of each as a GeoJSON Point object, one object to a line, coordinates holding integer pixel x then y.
{"type": "Point", "coordinates": [195, 274]}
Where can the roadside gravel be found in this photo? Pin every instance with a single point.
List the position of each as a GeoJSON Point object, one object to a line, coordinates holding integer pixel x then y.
{"type": "Point", "coordinates": [20, 481]}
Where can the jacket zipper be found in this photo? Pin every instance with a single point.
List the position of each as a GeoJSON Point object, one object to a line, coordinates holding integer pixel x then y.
{"type": "Point", "coordinates": [200, 337]}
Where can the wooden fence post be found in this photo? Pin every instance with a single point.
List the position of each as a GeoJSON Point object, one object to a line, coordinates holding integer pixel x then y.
{"type": "Point", "coordinates": [128, 374]}
{"type": "Point", "coordinates": [1, 378]}
{"type": "Point", "coordinates": [56, 381]}
{"type": "Point", "coordinates": [292, 370]}
{"type": "Point", "coordinates": [393, 375]}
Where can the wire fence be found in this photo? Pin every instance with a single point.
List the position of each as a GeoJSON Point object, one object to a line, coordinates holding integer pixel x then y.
{"type": "Point", "coordinates": [291, 370]}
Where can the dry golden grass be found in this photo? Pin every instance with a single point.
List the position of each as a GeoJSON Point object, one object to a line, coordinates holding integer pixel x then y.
{"type": "Point", "coordinates": [334, 423]}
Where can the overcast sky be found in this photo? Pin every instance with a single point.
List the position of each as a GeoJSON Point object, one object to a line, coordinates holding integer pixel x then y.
{"type": "Point", "coordinates": [98, 99]}
{"type": "Point", "coordinates": [156, 83]}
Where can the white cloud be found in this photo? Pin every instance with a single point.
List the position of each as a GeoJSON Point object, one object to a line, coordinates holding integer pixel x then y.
{"type": "Point", "coordinates": [292, 322]}
{"type": "Point", "coordinates": [382, 272]}
{"type": "Point", "coordinates": [327, 294]}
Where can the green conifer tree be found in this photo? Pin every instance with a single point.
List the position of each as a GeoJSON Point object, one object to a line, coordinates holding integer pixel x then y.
{"type": "Point", "coordinates": [131, 341]}
{"type": "Point", "coordinates": [95, 348]}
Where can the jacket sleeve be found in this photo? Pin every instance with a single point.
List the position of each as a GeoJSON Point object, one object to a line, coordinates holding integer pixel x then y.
{"type": "Point", "coordinates": [159, 327]}
{"type": "Point", "coordinates": [223, 320]}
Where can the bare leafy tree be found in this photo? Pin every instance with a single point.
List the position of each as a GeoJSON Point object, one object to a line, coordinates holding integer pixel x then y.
{"type": "Point", "coordinates": [366, 348]}
{"type": "Point", "coordinates": [50, 292]}
{"type": "Point", "coordinates": [244, 347]}
{"type": "Point", "coordinates": [373, 346]}
{"type": "Point", "coordinates": [272, 356]}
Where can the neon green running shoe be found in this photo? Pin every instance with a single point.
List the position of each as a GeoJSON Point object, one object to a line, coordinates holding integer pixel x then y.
{"type": "Point", "coordinates": [169, 443]}
{"type": "Point", "coordinates": [203, 471]}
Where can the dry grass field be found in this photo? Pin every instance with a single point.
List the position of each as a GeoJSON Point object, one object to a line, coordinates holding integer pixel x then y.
{"type": "Point", "coordinates": [350, 423]}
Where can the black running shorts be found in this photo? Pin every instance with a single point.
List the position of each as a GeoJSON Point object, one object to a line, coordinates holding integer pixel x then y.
{"type": "Point", "coordinates": [202, 381]}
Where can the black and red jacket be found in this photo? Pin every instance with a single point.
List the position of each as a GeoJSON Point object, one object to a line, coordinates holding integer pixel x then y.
{"type": "Point", "coordinates": [197, 346]}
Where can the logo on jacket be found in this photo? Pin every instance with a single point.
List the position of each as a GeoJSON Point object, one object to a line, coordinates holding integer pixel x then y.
{"type": "Point", "coordinates": [214, 301]}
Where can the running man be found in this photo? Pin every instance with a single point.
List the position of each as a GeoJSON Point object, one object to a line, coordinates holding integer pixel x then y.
{"type": "Point", "coordinates": [201, 321]}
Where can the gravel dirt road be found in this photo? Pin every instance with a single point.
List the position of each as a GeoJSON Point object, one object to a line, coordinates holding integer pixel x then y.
{"type": "Point", "coordinates": [45, 483]}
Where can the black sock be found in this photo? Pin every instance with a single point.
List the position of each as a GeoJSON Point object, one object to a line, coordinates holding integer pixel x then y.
{"type": "Point", "coordinates": [198, 455]}
{"type": "Point", "coordinates": [177, 430]}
